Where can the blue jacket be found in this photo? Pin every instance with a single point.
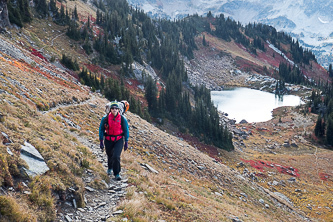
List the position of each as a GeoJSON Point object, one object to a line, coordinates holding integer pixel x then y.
{"type": "Point", "coordinates": [124, 125]}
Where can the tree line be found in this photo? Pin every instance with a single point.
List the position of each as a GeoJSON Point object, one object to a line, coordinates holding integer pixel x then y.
{"type": "Point", "coordinates": [321, 103]}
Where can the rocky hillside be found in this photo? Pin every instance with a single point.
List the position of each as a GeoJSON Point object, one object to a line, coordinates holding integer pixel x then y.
{"type": "Point", "coordinates": [48, 119]}
{"type": "Point", "coordinates": [223, 63]}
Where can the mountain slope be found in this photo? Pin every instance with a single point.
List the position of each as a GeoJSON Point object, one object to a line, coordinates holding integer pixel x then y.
{"type": "Point", "coordinates": [42, 103]}
{"type": "Point", "coordinates": [189, 185]}
{"type": "Point", "coordinates": [309, 21]}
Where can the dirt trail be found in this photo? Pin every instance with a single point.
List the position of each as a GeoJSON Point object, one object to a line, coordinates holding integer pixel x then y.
{"type": "Point", "coordinates": [88, 101]}
{"type": "Point", "coordinates": [53, 40]}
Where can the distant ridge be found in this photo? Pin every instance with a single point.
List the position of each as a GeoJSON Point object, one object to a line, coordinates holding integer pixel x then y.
{"type": "Point", "coordinates": [310, 22]}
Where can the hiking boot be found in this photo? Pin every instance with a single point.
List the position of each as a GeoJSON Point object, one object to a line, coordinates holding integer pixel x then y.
{"type": "Point", "coordinates": [117, 177]}
{"type": "Point", "coordinates": [109, 171]}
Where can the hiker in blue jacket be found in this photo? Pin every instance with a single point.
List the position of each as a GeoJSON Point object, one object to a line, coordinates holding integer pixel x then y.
{"type": "Point", "coordinates": [114, 130]}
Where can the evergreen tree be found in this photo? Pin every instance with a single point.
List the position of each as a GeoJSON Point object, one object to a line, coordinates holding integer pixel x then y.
{"type": "Point", "coordinates": [18, 12]}
{"type": "Point", "coordinates": [60, 18]}
{"type": "Point", "coordinates": [41, 7]}
{"type": "Point", "coordinates": [68, 62]}
{"type": "Point", "coordinates": [151, 95]}
{"type": "Point", "coordinates": [320, 127]}
{"type": "Point", "coordinates": [73, 31]}
{"type": "Point", "coordinates": [75, 16]}
{"type": "Point", "coordinates": [53, 8]}
{"type": "Point", "coordinates": [204, 43]}
{"type": "Point", "coordinates": [329, 131]}
{"type": "Point", "coordinates": [14, 13]}
{"type": "Point", "coordinates": [24, 11]}
{"type": "Point", "coordinates": [330, 71]}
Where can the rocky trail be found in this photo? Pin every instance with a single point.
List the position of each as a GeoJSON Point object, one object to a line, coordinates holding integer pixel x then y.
{"type": "Point", "coordinates": [99, 204]}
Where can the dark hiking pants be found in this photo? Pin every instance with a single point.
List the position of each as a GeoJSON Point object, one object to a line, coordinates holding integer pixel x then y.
{"type": "Point", "coordinates": [113, 150]}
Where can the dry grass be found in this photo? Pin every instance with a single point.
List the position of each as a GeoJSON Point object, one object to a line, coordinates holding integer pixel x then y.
{"type": "Point", "coordinates": [12, 209]}
{"type": "Point", "coordinates": [176, 194]}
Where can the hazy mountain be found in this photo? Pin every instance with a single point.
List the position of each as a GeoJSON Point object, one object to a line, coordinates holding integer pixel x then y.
{"type": "Point", "coordinates": [308, 20]}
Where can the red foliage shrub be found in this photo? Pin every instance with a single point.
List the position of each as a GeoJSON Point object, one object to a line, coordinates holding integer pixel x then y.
{"type": "Point", "coordinates": [325, 176]}
{"type": "Point", "coordinates": [37, 53]}
{"type": "Point", "coordinates": [260, 165]}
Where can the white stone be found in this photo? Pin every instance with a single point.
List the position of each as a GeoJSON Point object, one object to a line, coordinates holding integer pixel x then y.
{"type": "Point", "coordinates": [118, 212]}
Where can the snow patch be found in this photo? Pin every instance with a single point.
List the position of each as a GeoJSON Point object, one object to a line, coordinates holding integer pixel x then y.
{"type": "Point", "coordinates": [281, 53]}
{"type": "Point", "coordinates": [322, 21]}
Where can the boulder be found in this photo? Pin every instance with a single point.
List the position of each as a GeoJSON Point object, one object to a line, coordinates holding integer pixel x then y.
{"type": "Point", "coordinates": [34, 159]}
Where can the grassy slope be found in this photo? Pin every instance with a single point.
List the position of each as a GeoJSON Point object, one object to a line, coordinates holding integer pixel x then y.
{"type": "Point", "coordinates": [180, 191]}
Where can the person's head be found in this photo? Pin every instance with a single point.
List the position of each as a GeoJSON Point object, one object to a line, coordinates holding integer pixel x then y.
{"type": "Point", "coordinates": [114, 107]}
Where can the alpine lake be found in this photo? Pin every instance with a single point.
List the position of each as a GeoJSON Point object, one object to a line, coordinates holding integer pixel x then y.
{"type": "Point", "coordinates": [250, 104]}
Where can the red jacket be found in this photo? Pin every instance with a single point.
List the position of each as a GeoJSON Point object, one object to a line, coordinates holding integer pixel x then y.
{"type": "Point", "coordinates": [113, 129]}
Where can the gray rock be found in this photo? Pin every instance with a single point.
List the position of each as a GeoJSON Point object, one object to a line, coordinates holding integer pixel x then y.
{"type": "Point", "coordinates": [34, 159]}
{"type": "Point", "coordinates": [118, 189]}
{"type": "Point", "coordinates": [286, 145]}
{"type": "Point", "coordinates": [100, 205]}
{"type": "Point", "coordinates": [68, 218]}
{"type": "Point", "coordinates": [92, 105]}
{"type": "Point", "coordinates": [236, 219]}
{"type": "Point", "coordinates": [240, 164]}
{"type": "Point", "coordinates": [29, 150]}
{"type": "Point", "coordinates": [201, 167]}
{"type": "Point", "coordinates": [90, 189]}
{"type": "Point", "coordinates": [292, 180]}
{"type": "Point", "coordinates": [284, 197]}
{"type": "Point", "coordinates": [74, 203]}
{"type": "Point", "coordinates": [218, 194]}
{"type": "Point", "coordinates": [81, 209]}
{"type": "Point", "coordinates": [118, 212]}
{"type": "Point", "coordinates": [151, 169]}
{"type": "Point", "coordinates": [9, 151]}
{"type": "Point", "coordinates": [274, 183]}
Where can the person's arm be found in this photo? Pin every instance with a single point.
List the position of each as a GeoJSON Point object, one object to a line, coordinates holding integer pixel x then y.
{"type": "Point", "coordinates": [124, 125]}
{"type": "Point", "coordinates": [101, 129]}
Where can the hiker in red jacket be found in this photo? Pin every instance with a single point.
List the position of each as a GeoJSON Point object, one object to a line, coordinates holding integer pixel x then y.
{"type": "Point", "coordinates": [116, 134]}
